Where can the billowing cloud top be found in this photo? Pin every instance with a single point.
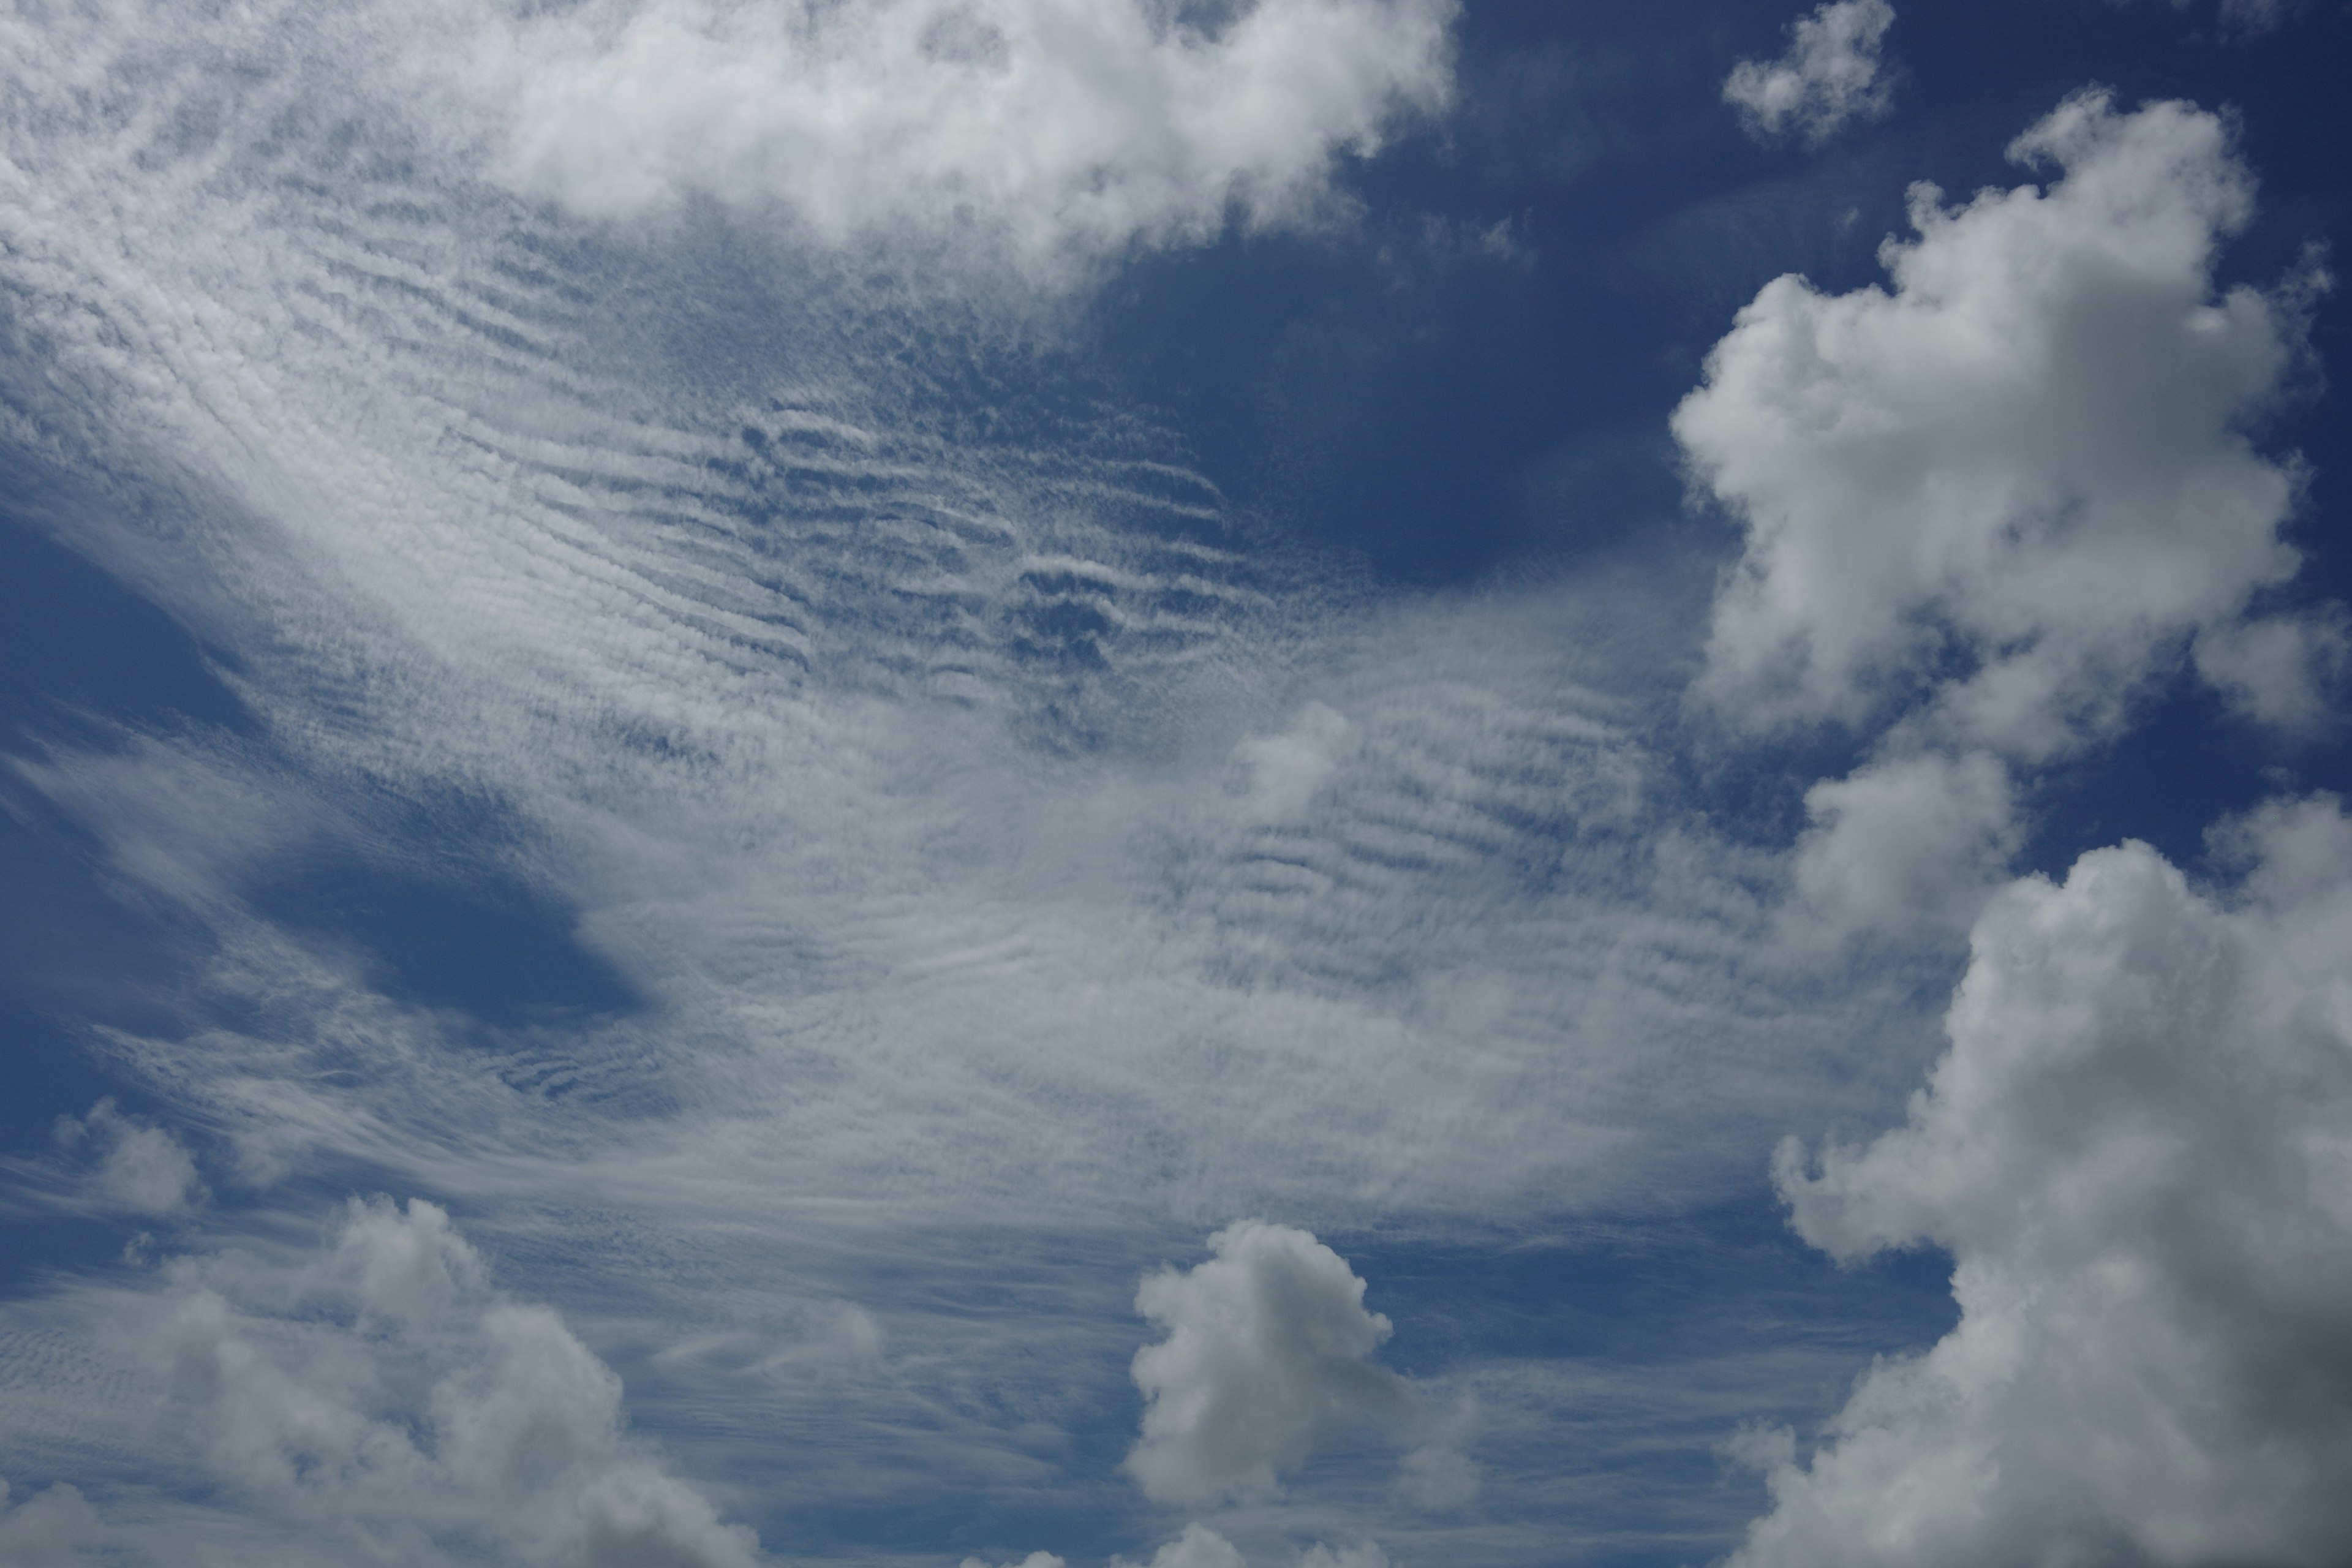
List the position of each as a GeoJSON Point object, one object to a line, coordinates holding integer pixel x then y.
{"type": "Point", "coordinates": [2136, 1152]}
{"type": "Point", "coordinates": [1267, 1351]}
{"type": "Point", "coordinates": [2030, 455]}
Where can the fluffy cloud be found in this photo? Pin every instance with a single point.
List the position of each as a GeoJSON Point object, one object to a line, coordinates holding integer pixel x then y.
{"type": "Point", "coordinates": [1831, 74]}
{"type": "Point", "coordinates": [1904, 840]}
{"type": "Point", "coordinates": [47, 1529]}
{"type": "Point", "coordinates": [383, 1388]}
{"type": "Point", "coordinates": [1993, 504]}
{"type": "Point", "coordinates": [2027, 461]}
{"type": "Point", "coordinates": [2136, 1153]}
{"type": "Point", "coordinates": [1068, 128]}
{"type": "Point", "coordinates": [1197, 1547]}
{"type": "Point", "coordinates": [1267, 1353]}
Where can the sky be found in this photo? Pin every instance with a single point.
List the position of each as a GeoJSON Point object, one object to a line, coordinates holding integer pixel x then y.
{"type": "Point", "coordinates": [1175, 784]}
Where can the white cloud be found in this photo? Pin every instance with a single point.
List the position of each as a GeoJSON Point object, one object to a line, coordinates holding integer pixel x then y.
{"type": "Point", "coordinates": [419, 1406]}
{"type": "Point", "coordinates": [1197, 1547]}
{"type": "Point", "coordinates": [1268, 1352]}
{"type": "Point", "coordinates": [1362, 1555]}
{"type": "Point", "coordinates": [2028, 461]}
{"type": "Point", "coordinates": [1071, 131]}
{"type": "Point", "coordinates": [2136, 1153]}
{"type": "Point", "coordinates": [939, 911]}
{"type": "Point", "coordinates": [2285, 671]}
{"type": "Point", "coordinates": [1034, 1560]}
{"type": "Point", "coordinates": [48, 1529]}
{"type": "Point", "coordinates": [1901, 843]}
{"type": "Point", "coordinates": [141, 1166]}
{"type": "Point", "coordinates": [1279, 775]}
{"type": "Point", "coordinates": [1831, 75]}
{"type": "Point", "coordinates": [1437, 1478]}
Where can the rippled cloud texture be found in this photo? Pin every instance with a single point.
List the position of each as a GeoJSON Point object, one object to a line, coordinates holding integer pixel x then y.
{"type": "Point", "coordinates": [791, 909]}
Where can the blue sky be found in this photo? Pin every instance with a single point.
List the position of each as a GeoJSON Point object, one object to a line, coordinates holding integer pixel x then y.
{"type": "Point", "coordinates": [1319, 784]}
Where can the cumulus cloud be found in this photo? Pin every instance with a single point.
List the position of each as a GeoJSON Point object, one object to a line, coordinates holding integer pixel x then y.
{"type": "Point", "coordinates": [1901, 842]}
{"type": "Point", "coordinates": [1068, 130]}
{"type": "Point", "coordinates": [48, 1529]}
{"type": "Point", "coordinates": [384, 1389]}
{"type": "Point", "coordinates": [2028, 461]}
{"type": "Point", "coordinates": [1831, 75]}
{"type": "Point", "coordinates": [1992, 506]}
{"type": "Point", "coordinates": [1268, 1352]}
{"type": "Point", "coordinates": [1197, 1547]}
{"type": "Point", "coordinates": [2136, 1152]}
{"type": "Point", "coordinates": [140, 1166]}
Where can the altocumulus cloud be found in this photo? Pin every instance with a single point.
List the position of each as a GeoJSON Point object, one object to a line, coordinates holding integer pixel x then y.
{"type": "Point", "coordinates": [2136, 1151]}
{"type": "Point", "coordinates": [761, 667]}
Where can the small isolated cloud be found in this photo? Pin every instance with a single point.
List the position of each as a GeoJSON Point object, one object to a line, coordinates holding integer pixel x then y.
{"type": "Point", "coordinates": [1903, 842]}
{"type": "Point", "coordinates": [1068, 131]}
{"type": "Point", "coordinates": [386, 1389]}
{"type": "Point", "coordinates": [139, 1166]}
{"type": "Point", "coordinates": [47, 1529]}
{"type": "Point", "coordinates": [1831, 75]}
{"type": "Point", "coordinates": [1034, 1560]}
{"type": "Point", "coordinates": [2136, 1151]}
{"type": "Point", "coordinates": [1267, 1353]}
{"type": "Point", "coordinates": [2281, 671]}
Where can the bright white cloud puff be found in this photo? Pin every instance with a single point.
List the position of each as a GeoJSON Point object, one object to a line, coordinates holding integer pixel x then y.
{"type": "Point", "coordinates": [419, 1408]}
{"type": "Point", "coordinates": [1832, 75]}
{"type": "Point", "coordinates": [1068, 129]}
{"type": "Point", "coordinates": [2136, 1153]}
{"type": "Point", "coordinates": [1267, 1353]}
{"type": "Point", "coordinates": [2029, 457]}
